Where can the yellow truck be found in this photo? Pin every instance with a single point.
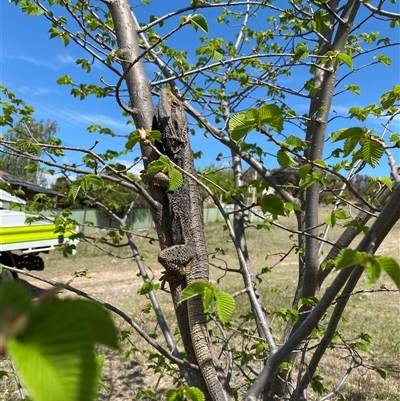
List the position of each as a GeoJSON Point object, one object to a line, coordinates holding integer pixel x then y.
{"type": "Point", "coordinates": [21, 243]}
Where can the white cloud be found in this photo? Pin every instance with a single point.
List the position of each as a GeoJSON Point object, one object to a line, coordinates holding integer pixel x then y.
{"type": "Point", "coordinates": [97, 118]}
{"type": "Point", "coordinates": [32, 60]}
{"type": "Point", "coordinates": [66, 59]}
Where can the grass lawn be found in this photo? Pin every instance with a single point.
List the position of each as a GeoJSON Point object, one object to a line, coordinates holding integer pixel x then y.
{"type": "Point", "coordinates": [114, 279]}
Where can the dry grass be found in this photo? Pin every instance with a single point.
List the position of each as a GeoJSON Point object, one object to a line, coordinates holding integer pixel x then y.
{"type": "Point", "coordinates": [114, 279]}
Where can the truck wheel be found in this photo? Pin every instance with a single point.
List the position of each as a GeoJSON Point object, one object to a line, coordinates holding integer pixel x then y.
{"type": "Point", "coordinates": [7, 259]}
{"type": "Point", "coordinates": [6, 275]}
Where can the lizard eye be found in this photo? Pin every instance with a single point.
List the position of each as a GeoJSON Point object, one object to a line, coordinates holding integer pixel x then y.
{"type": "Point", "coordinates": [174, 103]}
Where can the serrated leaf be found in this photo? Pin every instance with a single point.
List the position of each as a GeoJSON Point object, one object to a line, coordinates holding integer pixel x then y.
{"type": "Point", "coordinates": [272, 204]}
{"type": "Point", "coordinates": [208, 296]}
{"type": "Point", "coordinates": [390, 267]}
{"type": "Point", "coordinates": [65, 39]}
{"type": "Point", "coordinates": [304, 170]}
{"type": "Point", "coordinates": [350, 144]}
{"type": "Point", "coordinates": [387, 181]}
{"type": "Point", "coordinates": [372, 151]}
{"type": "Point", "coordinates": [239, 125]}
{"type": "Point", "coordinates": [74, 190]}
{"type": "Point", "coordinates": [341, 214]}
{"type": "Point", "coordinates": [175, 179]}
{"type": "Point", "coordinates": [193, 290]}
{"type": "Point", "coordinates": [65, 80]}
{"type": "Point", "coordinates": [154, 135]}
{"type": "Point", "coordinates": [271, 115]}
{"type": "Point", "coordinates": [194, 394]}
{"type": "Point", "coordinates": [296, 142]}
{"type": "Point", "coordinates": [362, 347]}
{"type": "Point", "coordinates": [317, 385]}
{"type": "Point", "coordinates": [162, 164]}
{"type": "Point", "coordinates": [321, 163]}
{"type": "Point", "coordinates": [353, 88]}
{"type": "Point", "coordinates": [389, 98]}
{"type": "Point", "coordinates": [284, 159]}
{"type": "Point", "coordinates": [225, 305]}
{"type": "Point", "coordinates": [147, 287]}
{"type": "Point", "coordinates": [355, 132]}
{"type": "Point", "coordinates": [373, 269]}
{"type": "Point", "coordinates": [94, 180]}
{"type": "Point", "coordinates": [349, 257]}
{"type": "Point", "coordinates": [198, 21]}
{"type": "Point", "coordinates": [134, 138]}
{"type": "Point", "coordinates": [330, 220]}
{"type": "Point", "coordinates": [55, 354]}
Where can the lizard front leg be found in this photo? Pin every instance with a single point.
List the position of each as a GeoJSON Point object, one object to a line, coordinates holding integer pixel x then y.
{"type": "Point", "coordinates": [175, 259]}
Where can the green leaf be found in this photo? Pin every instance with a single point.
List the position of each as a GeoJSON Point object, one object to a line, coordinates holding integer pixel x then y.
{"type": "Point", "coordinates": [387, 181]}
{"type": "Point", "coordinates": [353, 88]}
{"type": "Point", "coordinates": [271, 115]}
{"type": "Point", "coordinates": [198, 21]}
{"type": "Point", "coordinates": [330, 220]}
{"type": "Point", "coordinates": [208, 296]}
{"type": "Point", "coordinates": [382, 373]}
{"type": "Point", "coordinates": [296, 142]}
{"type": "Point", "coordinates": [225, 305]}
{"type": "Point", "coordinates": [147, 287]}
{"type": "Point", "coordinates": [389, 98]}
{"type": "Point", "coordinates": [14, 296]}
{"type": "Point", "coordinates": [284, 159]}
{"type": "Point", "coordinates": [99, 371]}
{"type": "Point", "coordinates": [349, 257]}
{"type": "Point", "coordinates": [194, 394]}
{"type": "Point", "coordinates": [346, 59]}
{"type": "Point", "coordinates": [272, 204]}
{"type": "Point", "coordinates": [134, 138]}
{"type": "Point", "coordinates": [193, 290]}
{"type": "Point", "coordinates": [372, 151]}
{"type": "Point", "coordinates": [355, 132]}
{"type": "Point", "coordinates": [74, 190]}
{"type": "Point", "coordinates": [65, 38]}
{"type": "Point", "coordinates": [240, 124]}
{"type": "Point", "coordinates": [316, 384]}
{"type": "Point", "coordinates": [390, 267]}
{"type": "Point", "coordinates": [162, 164]}
{"type": "Point", "coordinates": [55, 354]}
{"type": "Point", "coordinates": [93, 181]}
{"type": "Point", "coordinates": [65, 80]}
{"type": "Point", "coordinates": [175, 179]}
{"type": "Point", "coordinates": [304, 170]}
{"type": "Point", "coordinates": [373, 269]}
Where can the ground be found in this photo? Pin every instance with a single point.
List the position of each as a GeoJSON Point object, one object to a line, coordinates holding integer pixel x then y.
{"type": "Point", "coordinates": [114, 279]}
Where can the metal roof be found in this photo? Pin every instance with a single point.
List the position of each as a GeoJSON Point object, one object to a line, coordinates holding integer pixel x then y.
{"type": "Point", "coordinates": [17, 183]}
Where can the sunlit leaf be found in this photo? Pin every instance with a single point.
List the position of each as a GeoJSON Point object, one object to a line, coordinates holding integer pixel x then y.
{"type": "Point", "coordinates": [175, 179]}
{"type": "Point", "coordinates": [272, 116]}
{"type": "Point", "coordinates": [225, 305]}
{"type": "Point", "coordinates": [272, 204]}
{"type": "Point", "coordinates": [198, 21]}
{"type": "Point", "coordinates": [349, 257]}
{"type": "Point", "coordinates": [239, 125]}
{"type": "Point", "coordinates": [391, 268]}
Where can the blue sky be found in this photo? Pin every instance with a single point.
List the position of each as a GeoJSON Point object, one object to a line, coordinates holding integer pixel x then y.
{"type": "Point", "coordinates": [31, 64]}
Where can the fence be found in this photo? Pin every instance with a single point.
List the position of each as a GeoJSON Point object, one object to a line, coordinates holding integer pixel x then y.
{"type": "Point", "coordinates": [137, 220]}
